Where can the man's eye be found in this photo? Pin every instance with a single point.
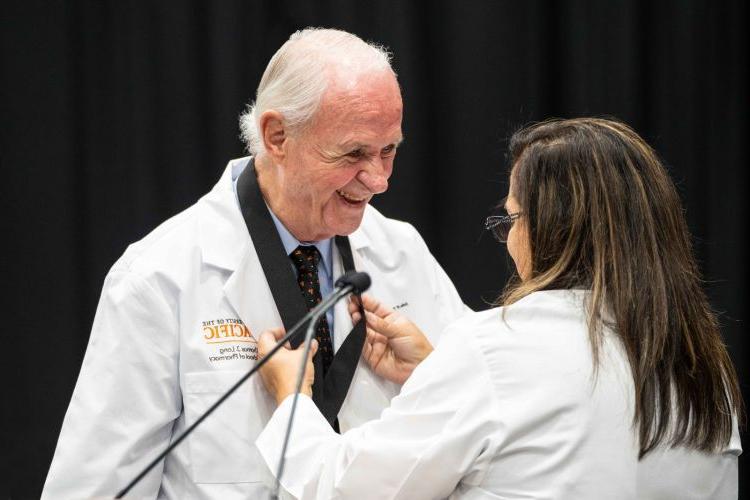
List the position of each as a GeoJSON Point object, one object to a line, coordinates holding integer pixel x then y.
{"type": "Point", "coordinates": [357, 153]}
{"type": "Point", "coordinates": [388, 149]}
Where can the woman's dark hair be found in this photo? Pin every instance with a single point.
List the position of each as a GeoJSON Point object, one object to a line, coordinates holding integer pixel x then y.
{"type": "Point", "coordinates": [603, 214]}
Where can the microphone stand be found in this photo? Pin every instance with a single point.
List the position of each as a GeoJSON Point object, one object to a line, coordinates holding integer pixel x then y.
{"type": "Point", "coordinates": [314, 313]}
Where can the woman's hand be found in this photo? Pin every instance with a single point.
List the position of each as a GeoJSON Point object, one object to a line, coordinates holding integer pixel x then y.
{"type": "Point", "coordinates": [394, 345]}
{"type": "Point", "coordinates": [280, 373]}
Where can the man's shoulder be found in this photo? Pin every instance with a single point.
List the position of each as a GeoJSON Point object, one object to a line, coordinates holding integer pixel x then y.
{"type": "Point", "coordinates": [181, 239]}
{"type": "Point", "coordinates": [170, 238]}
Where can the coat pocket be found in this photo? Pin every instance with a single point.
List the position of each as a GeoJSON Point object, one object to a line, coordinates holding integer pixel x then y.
{"type": "Point", "coordinates": [222, 447]}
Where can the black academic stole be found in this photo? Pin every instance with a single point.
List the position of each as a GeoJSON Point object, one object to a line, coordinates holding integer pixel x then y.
{"type": "Point", "coordinates": [329, 392]}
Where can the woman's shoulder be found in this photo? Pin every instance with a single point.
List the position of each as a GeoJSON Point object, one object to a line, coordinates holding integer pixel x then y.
{"type": "Point", "coordinates": [542, 338]}
{"type": "Point", "coordinates": [541, 312]}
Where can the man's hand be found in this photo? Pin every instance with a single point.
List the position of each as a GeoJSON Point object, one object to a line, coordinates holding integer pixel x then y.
{"type": "Point", "coordinates": [394, 345]}
{"type": "Point", "coordinates": [279, 374]}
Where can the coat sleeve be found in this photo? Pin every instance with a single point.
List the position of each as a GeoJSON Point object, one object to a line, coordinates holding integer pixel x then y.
{"type": "Point", "coordinates": [126, 398]}
{"type": "Point", "coordinates": [437, 432]}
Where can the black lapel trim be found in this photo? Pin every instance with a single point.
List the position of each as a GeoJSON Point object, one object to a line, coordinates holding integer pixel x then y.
{"type": "Point", "coordinates": [273, 258]}
{"type": "Point", "coordinates": [328, 394]}
{"type": "Point", "coordinates": [341, 372]}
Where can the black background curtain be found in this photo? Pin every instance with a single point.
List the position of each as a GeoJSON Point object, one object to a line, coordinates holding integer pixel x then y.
{"type": "Point", "coordinates": [117, 115]}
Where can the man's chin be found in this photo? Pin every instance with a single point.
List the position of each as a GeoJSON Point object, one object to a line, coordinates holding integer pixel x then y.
{"type": "Point", "coordinates": [348, 226]}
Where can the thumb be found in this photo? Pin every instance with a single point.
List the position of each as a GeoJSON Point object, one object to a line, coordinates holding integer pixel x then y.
{"type": "Point", "coordinates": [374, 306]}
{"type": "Point", "coordinates": [370, 303]}
{"type": "Point", "coordinates": [313, 349]}
{"type": "Point", "coordinates": [266, 342]}
{"type": "Point", "coordinates": [381, 326]}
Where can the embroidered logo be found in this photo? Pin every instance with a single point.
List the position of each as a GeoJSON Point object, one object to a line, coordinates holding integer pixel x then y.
{"type": "Point", "coordinates": [218, 331]}
{"type": "Point", "coordinates": [232, 339]}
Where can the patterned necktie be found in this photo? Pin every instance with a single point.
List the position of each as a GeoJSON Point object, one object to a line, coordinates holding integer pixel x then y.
{"type": "Point", "coordinates": [306, 259]}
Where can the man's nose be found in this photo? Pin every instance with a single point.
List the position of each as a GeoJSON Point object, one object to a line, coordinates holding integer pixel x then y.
{"type": "Point", "coordinates": [375, 176]}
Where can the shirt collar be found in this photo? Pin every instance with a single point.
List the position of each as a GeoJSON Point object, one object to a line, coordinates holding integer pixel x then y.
{"type": "Point", "coordinates": [291, 243]}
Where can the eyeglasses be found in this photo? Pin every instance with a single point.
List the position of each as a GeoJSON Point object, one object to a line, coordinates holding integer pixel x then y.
{"type": "Point", "coordinates": [500, 225]}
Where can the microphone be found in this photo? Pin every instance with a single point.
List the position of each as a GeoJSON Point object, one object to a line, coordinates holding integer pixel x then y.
{"type": "Point", "coordinates": [349, 282]}
{"type": "Point", "coordinates": [358, 281]}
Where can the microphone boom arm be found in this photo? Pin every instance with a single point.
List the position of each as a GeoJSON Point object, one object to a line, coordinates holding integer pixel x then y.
{"type": "Point", "coordinates": [319, 311]}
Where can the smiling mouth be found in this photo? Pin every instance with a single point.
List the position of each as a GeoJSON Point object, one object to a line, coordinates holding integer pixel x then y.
{"type": "Point", "coordinates": [352, 200]}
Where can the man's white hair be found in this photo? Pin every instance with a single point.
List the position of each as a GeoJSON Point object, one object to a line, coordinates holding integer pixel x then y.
{"type": "Point", "coordinates": [299, 73]}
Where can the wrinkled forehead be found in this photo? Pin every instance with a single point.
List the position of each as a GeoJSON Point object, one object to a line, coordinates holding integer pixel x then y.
{"type": "Point", "coordinates": [369, 107]}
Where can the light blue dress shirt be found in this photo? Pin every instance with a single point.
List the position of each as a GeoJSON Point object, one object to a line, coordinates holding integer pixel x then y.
{"type": "Point", "coordinates": [325, 268]}
{"type": "Point", "coordinates": [325, 247]}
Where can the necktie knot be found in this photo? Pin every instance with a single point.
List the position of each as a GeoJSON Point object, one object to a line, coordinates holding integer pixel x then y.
{"type": "Point", "coordinates": [305, 258]}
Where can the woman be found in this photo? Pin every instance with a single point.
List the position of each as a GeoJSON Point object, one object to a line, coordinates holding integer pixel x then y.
{"type": "Point", "coordinates": [602, 375]}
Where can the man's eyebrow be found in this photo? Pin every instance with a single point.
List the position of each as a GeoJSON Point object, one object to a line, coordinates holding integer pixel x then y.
{"type": "Point", "coordinates": [350, 146]}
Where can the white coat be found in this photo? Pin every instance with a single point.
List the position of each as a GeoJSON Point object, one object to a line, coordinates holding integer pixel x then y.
{"type": "Point", "coordinates": [176, 327]}
{"type": "Point", "coordinates": [504, 409]}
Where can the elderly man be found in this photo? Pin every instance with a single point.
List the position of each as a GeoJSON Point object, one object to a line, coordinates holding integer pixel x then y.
{"type": "Point", "coordinates": [181, 310]}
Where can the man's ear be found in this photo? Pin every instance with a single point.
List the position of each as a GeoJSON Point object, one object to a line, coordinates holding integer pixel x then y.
{"type": "Point", "coordinates": [273, 133]}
